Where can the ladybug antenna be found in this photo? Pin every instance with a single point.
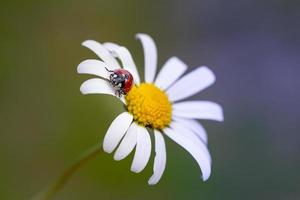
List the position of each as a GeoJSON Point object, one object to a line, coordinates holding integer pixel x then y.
{"type": "Point", "coordinates": [108, 70]}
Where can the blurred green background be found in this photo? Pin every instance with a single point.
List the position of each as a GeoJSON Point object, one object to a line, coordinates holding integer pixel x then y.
{"type": "Point", "coordinates": [45, 123]}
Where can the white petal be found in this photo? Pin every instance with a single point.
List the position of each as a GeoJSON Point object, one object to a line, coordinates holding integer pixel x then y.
{"type": "Point", "coordinates": [98, 86]}
{"type": "Point", "coordinates": [102, 52]}
{"type": "Point", "coordinates": [193, 148]}
{"type": "Point", "coordinates": [110, 46]}
{"type": "Point", "coordinates": [170, 72]}
{"type": "Point", "coordinates": [116, 131]}
{"type": "Point", "coordinates": [198, 110]}
{"type": "Point", "coordinates": [128, 143]}
{"type": "Point", "coordinates": [190, 134]}
{"type": "Point", "coordinates": [194, 126]}
{"type": "Point", "coordinates": [94, 67]}
{"type": "Point", "coordinates": [142, 151]}
{"type": "Point", "coordinates": [191, 84]}
{"type": "Point", "coordinates": [150, 56]}
{"type": "Point", "coordinates": [127, 61]}
{"type": "Point", "coordinates": [160, 158]}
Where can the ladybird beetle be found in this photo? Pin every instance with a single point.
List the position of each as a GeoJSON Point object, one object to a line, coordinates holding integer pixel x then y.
{"type": "Point", "coordinates": [121, 80]}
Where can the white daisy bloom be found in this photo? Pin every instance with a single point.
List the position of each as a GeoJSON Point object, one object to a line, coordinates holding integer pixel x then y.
{"type": "Point", "coordinates": [157, 104]}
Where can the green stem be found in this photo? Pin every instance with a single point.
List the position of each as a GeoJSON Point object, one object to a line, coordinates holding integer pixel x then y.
{"type": "Point", "coordinates": [52, 189]}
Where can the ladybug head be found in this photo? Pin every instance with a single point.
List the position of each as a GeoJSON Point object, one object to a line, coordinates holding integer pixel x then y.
{"type": "Point", "coordinates": [117, 80]}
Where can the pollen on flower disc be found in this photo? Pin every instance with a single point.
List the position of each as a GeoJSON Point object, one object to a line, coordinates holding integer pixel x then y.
{"type": "Point", "coordinates": [149, 106]}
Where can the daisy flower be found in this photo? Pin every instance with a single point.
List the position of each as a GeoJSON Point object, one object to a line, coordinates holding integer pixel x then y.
{"type": "Point", "coordinates": [155, 106]}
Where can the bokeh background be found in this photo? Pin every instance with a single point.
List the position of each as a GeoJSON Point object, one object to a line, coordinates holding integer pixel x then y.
{"type": "Point", "coordinates": [252, 46]}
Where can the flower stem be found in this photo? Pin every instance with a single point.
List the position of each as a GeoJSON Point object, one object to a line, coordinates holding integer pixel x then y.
{"type": "Point", "coordinates": [52, 189]}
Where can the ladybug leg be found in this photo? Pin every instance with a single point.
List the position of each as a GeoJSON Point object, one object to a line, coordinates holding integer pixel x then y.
{"type": "Point", "coordinates": [118, 93]}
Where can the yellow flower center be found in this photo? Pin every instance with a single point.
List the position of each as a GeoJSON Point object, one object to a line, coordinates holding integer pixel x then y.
{"type": "Point", "coordinates": [149, 106]}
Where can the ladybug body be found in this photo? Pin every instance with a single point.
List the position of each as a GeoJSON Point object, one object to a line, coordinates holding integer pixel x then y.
{"type": "Point", "coordinates": [121, 80]}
